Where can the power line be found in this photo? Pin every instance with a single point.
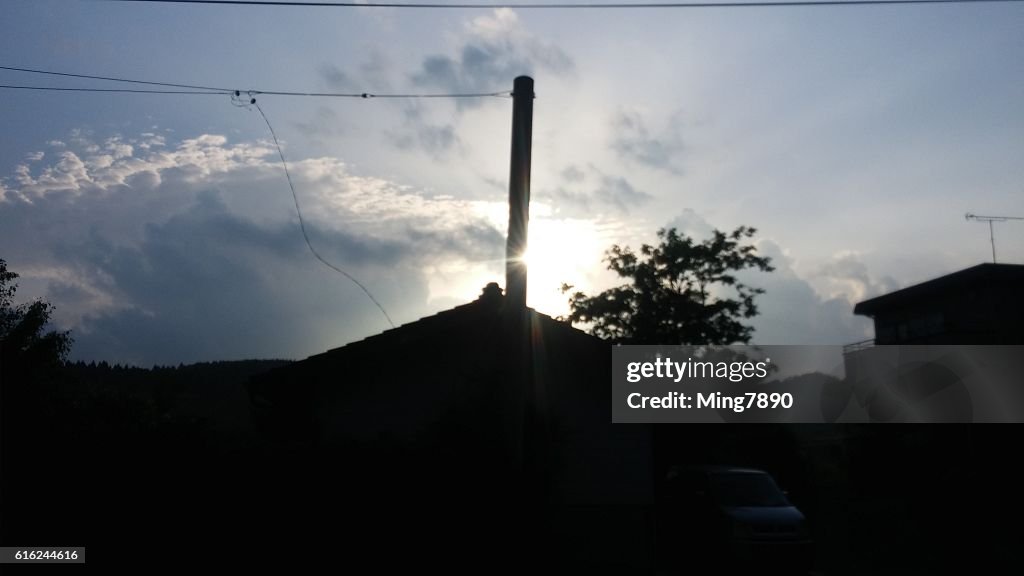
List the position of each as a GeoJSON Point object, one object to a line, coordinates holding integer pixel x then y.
{"type": "Point", "coordinates": [573, 6]}
{"type": "Point", "coordinates": [112, 79]}
{"type": "Point", "coordinates": [363, 95]}
{"type": "Point", "coordinates": [302, 223]}
{"type": "Point", "coordinates": [372, 95]}
{"type": "Point", "coordinates": [123, 90]}
{"type": "Point", "coordinates": [194, 89]}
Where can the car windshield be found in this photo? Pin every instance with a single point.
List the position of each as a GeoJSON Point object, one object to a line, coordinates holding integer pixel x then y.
{"type": "Point", "coordinates": [747, 489]}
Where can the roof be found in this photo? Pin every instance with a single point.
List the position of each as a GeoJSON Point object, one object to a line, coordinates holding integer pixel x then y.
{"type": "Point", "coordinates": [964, 279]}
{"type": "Point", "coordinates": [478, 330]}
{"type": "Point", "coordinates": [482, 313]}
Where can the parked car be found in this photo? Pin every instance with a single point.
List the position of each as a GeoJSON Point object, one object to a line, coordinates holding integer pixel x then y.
{"type": "Point", "coordinates": [722, 518]}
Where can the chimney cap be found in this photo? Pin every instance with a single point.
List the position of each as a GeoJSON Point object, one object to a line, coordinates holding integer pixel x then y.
{"type": "Point", "coordinates": [491, 294]}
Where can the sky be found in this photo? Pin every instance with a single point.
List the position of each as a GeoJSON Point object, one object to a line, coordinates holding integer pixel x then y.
{"type": "Point", "coordinates": [161, 227]}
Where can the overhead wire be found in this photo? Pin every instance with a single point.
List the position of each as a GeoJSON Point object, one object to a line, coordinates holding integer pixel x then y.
{"type": "Point", "coordinates": [115, 90]}
{"type": "Point", "coordinates": [568, 5]}
{"type": "Point", "coordinates": [503, 93]}
{"type": "Point", "coordinates": [113, 79]}
{"type": "Point", "coordinates": [361, 95]}
{"type": "Point", "coordinates": [195, 89]}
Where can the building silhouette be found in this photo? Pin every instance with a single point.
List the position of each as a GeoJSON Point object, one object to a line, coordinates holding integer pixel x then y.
{"type": "Point", "coordinates": [493, 417]}
{"type": "Point", "coordinates": [982, 304]}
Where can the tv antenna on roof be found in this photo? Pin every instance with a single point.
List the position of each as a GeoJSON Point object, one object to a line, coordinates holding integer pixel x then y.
{"type": "Point", "coordinates": [991, 231]}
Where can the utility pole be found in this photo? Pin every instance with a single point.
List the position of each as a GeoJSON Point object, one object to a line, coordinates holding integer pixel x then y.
{"type": "Point", "coordinates": [991, 230]}
{"type": "Point", "coordinates": [519, 191]}
{"type": "Point", "coordinates": [527, 422]}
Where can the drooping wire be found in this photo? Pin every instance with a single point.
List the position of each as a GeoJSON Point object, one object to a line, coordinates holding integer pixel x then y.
{"type": "Point", "coordinates": [252, 101]}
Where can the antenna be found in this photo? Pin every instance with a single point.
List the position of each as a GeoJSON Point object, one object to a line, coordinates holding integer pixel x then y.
{"type": "Point", "coordinates": [991, 231]}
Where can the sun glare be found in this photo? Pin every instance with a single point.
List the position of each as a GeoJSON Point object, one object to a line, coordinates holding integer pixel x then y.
{"type": "Point", "coordinates": [560, 251]}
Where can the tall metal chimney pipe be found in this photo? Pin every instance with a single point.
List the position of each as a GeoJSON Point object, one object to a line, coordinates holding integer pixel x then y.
{"type": "Point", "coordinates": [519, 191]}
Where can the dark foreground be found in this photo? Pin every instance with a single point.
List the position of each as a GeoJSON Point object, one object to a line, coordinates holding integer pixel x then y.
{"type": "Point", "coordinates": [174, 472]}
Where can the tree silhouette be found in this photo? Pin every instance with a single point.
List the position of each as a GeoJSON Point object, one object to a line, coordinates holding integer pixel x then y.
{"type": "Point", "coordinates": [679, 292]}
{"type": "Point", "coordinates": [24, 343]}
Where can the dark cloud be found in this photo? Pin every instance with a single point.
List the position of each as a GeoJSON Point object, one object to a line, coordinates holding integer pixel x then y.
{"type": "Point", "coordinates": [376, 71]}
{"type": "Point", "coordinates": [496, 184]}
{"type": "Point", "coordinates": [633, 142]}
{"type": "Point", "coordinates": [585, 191]}
{"type": "Point", "coordinates": [207, 284]}
{"type": "Point", "coordinates": [573, 174]}
{"type": "Point", "coordinates": [617, 191]}
{"type": "Point", "coordinates": [325, 123]}
{"type": "Point", "coordinates": [495, 51]}
{"type": "Point", "coordinates": [474, 242]}
{"type": "Point", "coordinates": [337, 79]}
{"type": "Point", "coordinates": [419, 133]}
{"type": "Point", "coordinates": [373, 74]}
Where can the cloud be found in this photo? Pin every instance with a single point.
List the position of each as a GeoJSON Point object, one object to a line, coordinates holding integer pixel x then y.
{"type": "Point", "coordinates": [376, 70]}
{"type": "Point", "coordinates": [633, 142]}
{"type": "Point", "coordinates": [494, 50]}
{"type": "Point", "coordinates": [336, 78]}
{"type": "Point", "coordinates": [690, 223]}
{"type": "Point", "coordinates": [584, 190]}
{"type": "Point", "coordinates": [192, 251]}
{"type": "Point", "coordinates": [791, 311]}
{"type": "Point", "coordinates": [419, 133]}
{"type": "Point", "coordinates": [149, 140]}
{"type": "Point", "coordinates": [846, 274]}
{"type": "Point", "coordinates": [325, 123]}
{"type": "Point", "coordinates": [573, 174]}
{"type": "Point", "coordinates": [617, 191]}
{"type": "Point", "coordinates": [93, 168]}
{"type": "Point", "coordinates": [372, 74]}
{"type": "Point", "coordinates": [207, 284]}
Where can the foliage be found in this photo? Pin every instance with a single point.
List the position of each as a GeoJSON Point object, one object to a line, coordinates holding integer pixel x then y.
{"type": "Point", "coordinates": [24, 341]}
{"type": "Point", "coordinates": [679, 292]}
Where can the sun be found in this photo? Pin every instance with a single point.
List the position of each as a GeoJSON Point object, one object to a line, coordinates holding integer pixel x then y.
{"type": "Point", "coordinates": [560, 251]}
